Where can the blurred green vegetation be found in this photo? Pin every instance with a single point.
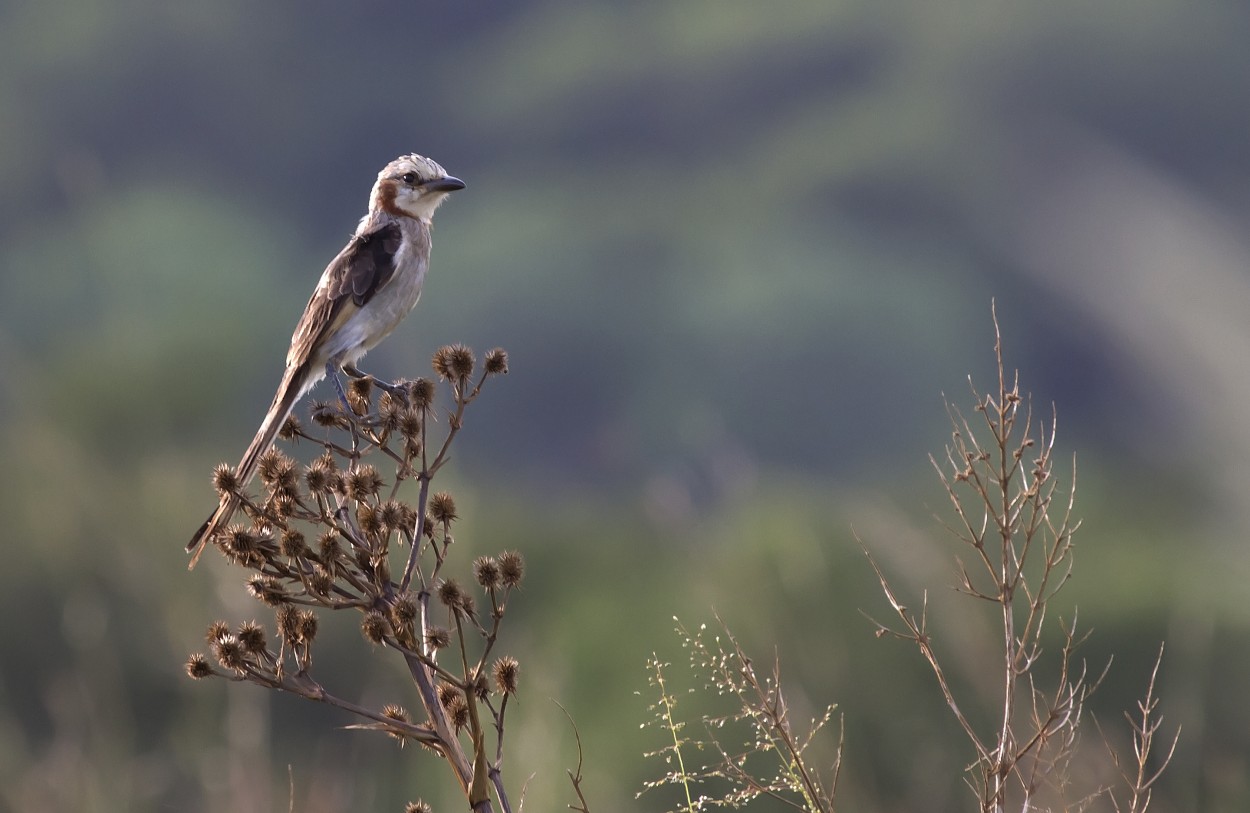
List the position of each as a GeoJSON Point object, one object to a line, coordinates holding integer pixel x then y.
{"type": "Point", "coordinates": [737, 252]}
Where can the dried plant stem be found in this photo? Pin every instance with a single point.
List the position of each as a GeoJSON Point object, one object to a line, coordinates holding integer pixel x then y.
{"type": "Point", "coordinates": [998, 474]}
{"type": "Point", "coordinates": [340, 496]}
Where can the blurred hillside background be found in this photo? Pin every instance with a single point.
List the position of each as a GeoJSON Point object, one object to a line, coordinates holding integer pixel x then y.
{"type": "Point", "coordinates": [737, 252]}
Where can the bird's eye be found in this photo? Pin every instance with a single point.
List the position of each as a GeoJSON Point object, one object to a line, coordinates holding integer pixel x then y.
{"type": "Point", "coordinates": [410, 177]}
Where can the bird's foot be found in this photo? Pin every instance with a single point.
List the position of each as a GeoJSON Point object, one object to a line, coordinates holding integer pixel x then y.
{"type": "Point", "coordinates": [397, 391]}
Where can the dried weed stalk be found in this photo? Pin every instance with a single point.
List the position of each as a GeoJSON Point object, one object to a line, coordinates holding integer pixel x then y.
{"type": "Point", "coordinates": [324, 537]}
{"type": "Point", "coordinates": [1015, 527]}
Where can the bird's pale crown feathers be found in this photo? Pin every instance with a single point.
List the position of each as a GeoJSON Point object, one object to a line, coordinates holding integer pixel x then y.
{"type": "Point", "coordinates": [412, 186]}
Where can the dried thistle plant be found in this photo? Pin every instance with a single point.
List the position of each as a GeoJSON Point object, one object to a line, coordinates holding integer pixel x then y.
{"type": "Point", "coordinates": [1015, 528]}
{"type": "Point", "coordinates": [326, 536]}
{"type": "Point", "coordinates": [768, 757]}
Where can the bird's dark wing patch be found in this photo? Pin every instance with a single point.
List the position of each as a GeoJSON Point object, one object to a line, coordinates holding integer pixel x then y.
{"type": "Point", "coordinates": [366, 265]}
{"type": "Point", "coordinates": [359, 271]}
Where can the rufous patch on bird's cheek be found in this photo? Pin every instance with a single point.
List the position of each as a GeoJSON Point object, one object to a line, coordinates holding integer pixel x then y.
{"type": "Point", "coordinates": [387, 192]}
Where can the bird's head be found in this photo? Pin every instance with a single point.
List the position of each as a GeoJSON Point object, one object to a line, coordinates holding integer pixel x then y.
{"type": "Point", "coordinates": [412, 186]}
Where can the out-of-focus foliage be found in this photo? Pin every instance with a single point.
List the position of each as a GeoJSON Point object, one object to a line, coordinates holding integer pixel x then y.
{"type": "Point", "coordinates": [736, 250]}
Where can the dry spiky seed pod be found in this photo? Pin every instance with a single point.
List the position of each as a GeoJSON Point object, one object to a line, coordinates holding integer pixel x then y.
{"type": "Point", "coordinates": [198, 666]}
{"type": "Point", "coordinates": [271, 464]}
{"type": "Point", "coordinates": [252, 636]}
{"type": "Point", "coordinates": [391, 515]}
{"type": "Point", "coordinates": [318, 476]}
{"type": "Point", "coordinates": [328, 461]}
{"type": "Point", "coordinates": [321, 581]}
{"type": "Point", "coordinates": [399, 714]}
{"type": "Point", "coordinates": [419, 806]}
{"type": "Point", "coordinates": [216, 631]}
{"type": "Point", "coordinates": [389, 410]}
{"type": "Point", "coordinates": [450, 594]}
{"type": "Point", "coordinates": [497, 361]}
{"type": "Point", "coordinates": [486, 571]}
{"type": "Point", "coordinates": [225, 481]}
{"type": "Point", "coordinates": [363, 482]}
{"type": "Point", "coordinates": [284, 505]}
{"type": "Point", "coordinates": [241, 542]}
{"type": "Point", "coordinates": [421, 393]}
{"type": "Point", "coordinates": [369, 519]}
{"type": "Point", "coordinates": [505, 673]}
{"type": "Point", "coordinates": [448, 694]}
{"type": "Point", "coordinates": [307, 626]}
{"type": "Point", "coordinates": [288, 623]}
{"type": "Point", "coordinates": [511, 568]}
{"type": "Point", "coordinates": [244, 550]}
{"type": "Point", "coordinates": [459, 712]}
{"type": "Point", "coordinates": [394, 712]}
{"type": "Point", "coordinates": [268, 589]}
{"type": "Point", "coordinates": [290, 428]}
{"type": "Point", "coordinates": [373, 627]}
{"type": "Point", "coordinates": [360, 392]}
{"type": "Point", "coordinates": [410, 423]}
{"type": "Point", "coordinates": [454, 362]}
{"type": "Point", "coordinates": [230, 653]}
{"type": "Point", "coordinates": [327, 414]}
{"type": "Point", "coordinates": [438, 638]}
{"type": "Point", "coordinates": [404, 609]}
{"type": "Point", "coordinates": [329, 548]}
{"type": "Point", "coordinates": [292, 543]}
{"type": "Point", "coordinates": [443, 508]}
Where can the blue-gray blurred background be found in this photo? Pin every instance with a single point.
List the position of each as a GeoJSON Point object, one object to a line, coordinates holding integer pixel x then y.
{"type": "Point", "coordinates": [738, 251]}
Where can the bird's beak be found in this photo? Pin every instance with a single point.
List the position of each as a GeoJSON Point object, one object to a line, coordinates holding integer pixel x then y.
{"type": "Point", "coordinates": [445, 184]}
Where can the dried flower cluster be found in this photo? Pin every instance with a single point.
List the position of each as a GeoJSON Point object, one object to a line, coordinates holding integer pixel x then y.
{"type": "Point", "coordinates": [338, 534]}
{"type": "Point", "coordinates": [774, 763]}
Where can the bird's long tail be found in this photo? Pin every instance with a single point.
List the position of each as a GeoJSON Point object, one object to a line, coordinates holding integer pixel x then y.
{"type": "Point", "coordinates": [294, 382]}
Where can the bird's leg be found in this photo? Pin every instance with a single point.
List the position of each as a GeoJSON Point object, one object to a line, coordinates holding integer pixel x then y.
{"type": "Point", "coordinates": [395, 390]}
{"type": "Point", "coordinates": [332, 372]}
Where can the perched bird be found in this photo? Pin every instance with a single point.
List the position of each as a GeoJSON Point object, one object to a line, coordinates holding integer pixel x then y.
{"type": "Point", "coordinates": [363, 294]}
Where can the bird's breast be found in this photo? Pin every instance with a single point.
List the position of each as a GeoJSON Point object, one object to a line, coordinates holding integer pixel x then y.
{"type": "Point", "coordinates": [376, 318]}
